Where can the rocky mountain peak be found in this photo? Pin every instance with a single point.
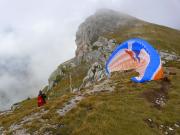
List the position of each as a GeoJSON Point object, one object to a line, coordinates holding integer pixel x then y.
{"type": "Point", "coordinates": [79, 91]}
{"type": "Point", "coordinates": [102, 22]}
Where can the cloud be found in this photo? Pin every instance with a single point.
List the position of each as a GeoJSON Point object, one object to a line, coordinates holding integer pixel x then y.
{"type": "Point", "coordinates": [36, 36]}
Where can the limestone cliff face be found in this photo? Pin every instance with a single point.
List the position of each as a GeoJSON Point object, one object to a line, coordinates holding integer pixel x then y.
{"type": "Point", "coordinates": [91, 45]}
{"type": "Point", "coordinates": [102, 22]}
{"type": "Point", "coordinates": [61, 71]}
{"type": "Point", "coordinates": [85, 76]}
{"type": "Point", "coordinates": [94, 44]}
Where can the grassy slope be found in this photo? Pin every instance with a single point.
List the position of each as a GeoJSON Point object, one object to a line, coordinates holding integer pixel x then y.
{"type": "Point", "coordinates": [63, 86]}
{"type": "Point", "coordinates": [161, 37]}
{"type": "Point", "coordinates": [123, 111]}
{"type": "Point", "coordinates": [118, 113]}
{"type": "Point", "coordinates": [57, 97]}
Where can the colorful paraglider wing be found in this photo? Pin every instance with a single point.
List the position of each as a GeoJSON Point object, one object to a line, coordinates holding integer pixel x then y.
{"type": "Point", "coordinates": [139, 55]}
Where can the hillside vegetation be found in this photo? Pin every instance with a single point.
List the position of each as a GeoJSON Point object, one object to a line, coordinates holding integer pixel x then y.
{"type": "Point", "coordinates": [161, 37]}
{"type": "Point", "coordinates": [111, 106]}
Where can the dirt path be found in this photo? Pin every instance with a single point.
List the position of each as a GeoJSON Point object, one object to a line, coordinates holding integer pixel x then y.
{"type": "Point", "coordinates": [102, 87]}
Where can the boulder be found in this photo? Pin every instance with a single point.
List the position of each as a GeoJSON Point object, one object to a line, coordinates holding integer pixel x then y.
{"type": "Point", "coordinates": [75, 90]}
{"type": "Point", "coordinates": [165, 56]}
{"type": "Point", "coordinates": [15, 106]}
{"type": "Point", "coordinates": [95, 73]}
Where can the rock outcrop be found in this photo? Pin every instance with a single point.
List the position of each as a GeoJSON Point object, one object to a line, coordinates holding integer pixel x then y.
{"type": "Point", "coordinates": [91, 45]}
{"type": "Point", "coordinates": [94, 47]}
{"type": "Point", "coordinates": [165, 56]}
{"type": "Point", "coordinates": [60, 72]}
{"type": "Point", "coordinates": [102, 22]}
{"type": "Point", "coordinates": [18, 129]}
{"type": "Point", "coordinates": [15, 106]}
{"type": "Point", "coordinates": [104, 86]}
{"type": "Point", "coordinates": [95, 74]}
{"type": "Point", "coordinates": [85, 76]}
{"type": "Point", "coordinates": [99, 51]}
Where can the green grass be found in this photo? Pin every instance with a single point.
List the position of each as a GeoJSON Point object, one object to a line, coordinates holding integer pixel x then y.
{"type": "Point", "coordinates": [118, 113]}
{"type": "Point", "coordinates": [63, 87]}
{"type": "Point", "coordinates": [123, 111]}
{"type": "Point", "coordinates": [59, 95]}
{"type": "Point", "coordinates": [27, 107]}
{"type": "Point", "coordinates": [161, 37]}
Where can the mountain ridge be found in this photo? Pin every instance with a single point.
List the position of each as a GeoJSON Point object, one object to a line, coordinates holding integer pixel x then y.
{"type": "Point", "coordinates": [82, 100]}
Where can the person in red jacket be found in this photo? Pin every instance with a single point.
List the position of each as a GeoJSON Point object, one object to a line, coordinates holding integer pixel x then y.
{"type": "Point", "coordinates": [41, 99]}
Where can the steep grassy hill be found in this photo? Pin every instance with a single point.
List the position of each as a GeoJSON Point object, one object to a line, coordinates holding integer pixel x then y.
{"type": "Point", "coordinates": [130, 109]}
{"type": "Point", "coordinates": [114, 106]}
{"type": "Point", "coordinates": [163, 38]}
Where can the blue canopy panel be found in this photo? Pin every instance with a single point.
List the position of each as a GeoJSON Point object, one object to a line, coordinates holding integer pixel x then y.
{"type": "Point", "coordinates": [139, 55]}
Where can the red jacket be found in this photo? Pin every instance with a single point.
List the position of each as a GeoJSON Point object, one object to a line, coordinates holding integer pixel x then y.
{"type": "Point", "coordinates": [41, 101]}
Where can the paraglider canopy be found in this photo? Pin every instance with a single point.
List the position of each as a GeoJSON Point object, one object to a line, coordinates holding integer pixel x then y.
{"type": "Point", "coordinates": [139, 55]}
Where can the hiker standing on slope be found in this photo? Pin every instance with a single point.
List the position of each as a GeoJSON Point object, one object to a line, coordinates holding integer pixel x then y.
{"type": "Point", "coordinates": [41, 99]}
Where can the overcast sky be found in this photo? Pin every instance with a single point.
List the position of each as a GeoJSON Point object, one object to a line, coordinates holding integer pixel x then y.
{"type": "Point", "coordinates": [37, 35]}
